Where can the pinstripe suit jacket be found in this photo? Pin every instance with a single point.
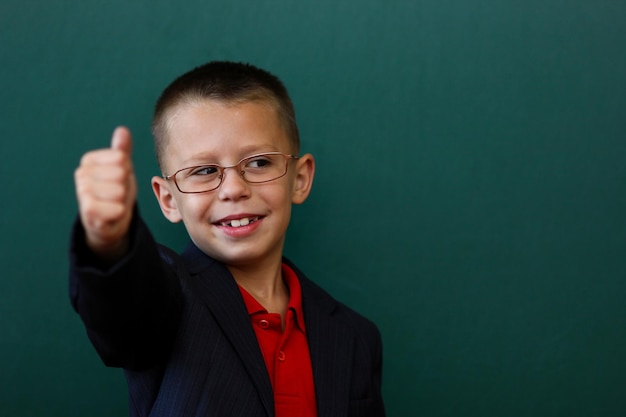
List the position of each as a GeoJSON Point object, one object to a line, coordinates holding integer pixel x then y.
{"type": "Point", "coordinates": [180, 329]}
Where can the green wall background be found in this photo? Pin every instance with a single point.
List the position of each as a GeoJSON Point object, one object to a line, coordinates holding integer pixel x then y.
{"type": "Point", "coordinates": [470, 195]}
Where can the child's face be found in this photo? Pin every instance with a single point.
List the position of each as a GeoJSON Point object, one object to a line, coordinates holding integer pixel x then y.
{"type": "Point", "coordinates": [211, 132]}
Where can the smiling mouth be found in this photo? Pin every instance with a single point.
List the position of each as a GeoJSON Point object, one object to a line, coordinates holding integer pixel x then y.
{"type": "Point", "coordinates": [244, 221]}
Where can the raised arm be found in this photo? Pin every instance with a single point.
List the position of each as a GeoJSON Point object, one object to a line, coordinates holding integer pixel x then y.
{"type": "Point", "coordinates": [126, 292]}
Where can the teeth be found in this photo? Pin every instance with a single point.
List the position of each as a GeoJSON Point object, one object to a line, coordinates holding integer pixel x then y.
{"type": "Point", "coordinates": [240, 222]}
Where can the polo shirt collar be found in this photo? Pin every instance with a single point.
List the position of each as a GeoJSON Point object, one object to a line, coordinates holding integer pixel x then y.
{"type": "Point", "coordinates": [295, 298]}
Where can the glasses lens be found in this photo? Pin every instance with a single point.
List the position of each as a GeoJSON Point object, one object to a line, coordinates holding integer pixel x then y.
{"type": "Point", "coordinates": [263, 168]}
{"type": "Point", "coordinates": [198, 179]}
{"type": "Point", "coordinates": [255, 169]}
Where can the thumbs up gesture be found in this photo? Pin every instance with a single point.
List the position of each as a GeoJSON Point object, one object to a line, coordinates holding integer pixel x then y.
{"type": "Point", "coordinates": [107, 190]}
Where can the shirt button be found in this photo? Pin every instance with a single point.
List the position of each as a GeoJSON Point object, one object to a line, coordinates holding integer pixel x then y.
{"type": "Point", "coordinates": [264, 324]}
{"type": "Point", "coordinates": [281, 356]}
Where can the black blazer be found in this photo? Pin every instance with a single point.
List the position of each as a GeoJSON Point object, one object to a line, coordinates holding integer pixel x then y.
{"type": "Point", "coordinates": [180, 329]}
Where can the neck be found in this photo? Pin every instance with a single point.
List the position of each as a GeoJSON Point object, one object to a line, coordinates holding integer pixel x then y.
{"type": "Point", "coordinates": [265, 283]}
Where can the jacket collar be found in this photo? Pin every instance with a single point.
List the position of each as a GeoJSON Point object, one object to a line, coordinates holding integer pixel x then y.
{"type": "Point", "coordinates": [330, 345]}
{"type": "Point", "coordinates": [216, 288]}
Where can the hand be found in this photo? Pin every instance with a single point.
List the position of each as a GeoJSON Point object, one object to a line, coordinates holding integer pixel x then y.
{"type": "Point", "coordinates": [107, 190]}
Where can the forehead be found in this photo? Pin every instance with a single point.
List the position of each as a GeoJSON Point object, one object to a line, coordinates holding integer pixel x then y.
{"type": "Point", "coordinates": [210, 131]}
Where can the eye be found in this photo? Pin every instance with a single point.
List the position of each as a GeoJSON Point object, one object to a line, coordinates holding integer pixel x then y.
{"type": "Point", "coordinates": [259, 162]}
{"type": "Point", "coordinates": [203, 171]}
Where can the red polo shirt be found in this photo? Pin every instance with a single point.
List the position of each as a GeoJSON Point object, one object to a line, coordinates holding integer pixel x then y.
{"type": "Point", "coordinates": [286, 352]}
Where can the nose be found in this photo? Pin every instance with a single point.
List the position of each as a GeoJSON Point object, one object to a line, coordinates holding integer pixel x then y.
{"type": "Point", "coordinates": [233, 186]}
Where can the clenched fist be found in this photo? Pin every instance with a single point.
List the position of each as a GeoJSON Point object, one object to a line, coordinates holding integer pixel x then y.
{"type": "Point", "coordinates": [107, 190]}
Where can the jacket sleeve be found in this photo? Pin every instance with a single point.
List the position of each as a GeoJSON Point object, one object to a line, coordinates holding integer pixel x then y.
{"type": "Point", "coordinates": [131, 309]}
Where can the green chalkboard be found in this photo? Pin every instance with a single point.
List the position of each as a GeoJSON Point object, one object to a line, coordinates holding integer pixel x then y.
{"type": "Point", "coordinates": [470, 196]}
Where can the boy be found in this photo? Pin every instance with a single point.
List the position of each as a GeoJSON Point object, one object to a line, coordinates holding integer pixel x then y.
{"type": "Point", "coordinates": [229, 327]}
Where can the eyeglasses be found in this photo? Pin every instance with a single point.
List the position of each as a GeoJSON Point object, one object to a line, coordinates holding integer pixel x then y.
{"type": "Point", "coordinates": [255, 169]}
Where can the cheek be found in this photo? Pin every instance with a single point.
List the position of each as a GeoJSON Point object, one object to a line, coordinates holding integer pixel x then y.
{"type": "Point", "coordinates": [280, 195]}
{"type": "Point", "coordinates": [281, 204]}
{"type": "Point", "coordinates": [193, 206]}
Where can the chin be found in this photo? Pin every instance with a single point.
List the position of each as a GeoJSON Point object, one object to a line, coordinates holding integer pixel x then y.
{"type": "Point", "coordinates": [239, 258]}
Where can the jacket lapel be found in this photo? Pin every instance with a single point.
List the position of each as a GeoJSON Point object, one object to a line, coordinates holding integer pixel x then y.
{"type": "Point", "coordinates": [331, 348]}
{"type": "Point", "coordinates": [218, 290]}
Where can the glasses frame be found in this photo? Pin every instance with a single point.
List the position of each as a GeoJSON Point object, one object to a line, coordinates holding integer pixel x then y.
{"type": "Point", "coordinates": [240, 171]}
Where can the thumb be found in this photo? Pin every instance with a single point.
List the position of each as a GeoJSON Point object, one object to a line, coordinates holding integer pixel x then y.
{"type": "Point", "coordinates": [122, 140]}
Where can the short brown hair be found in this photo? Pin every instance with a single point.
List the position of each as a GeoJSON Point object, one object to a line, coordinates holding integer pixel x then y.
{"type": "Point", "coordinates": [229, 82]}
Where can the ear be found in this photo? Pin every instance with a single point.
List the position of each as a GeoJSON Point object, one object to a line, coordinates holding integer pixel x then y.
{"type": "Point", "coordinates": [166, 199]}
{"type": "Point", "coordinates": [305, 171]}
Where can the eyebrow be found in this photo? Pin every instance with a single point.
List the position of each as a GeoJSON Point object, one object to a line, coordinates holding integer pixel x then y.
{"type": "Point", "coordinates": [210, 158]}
